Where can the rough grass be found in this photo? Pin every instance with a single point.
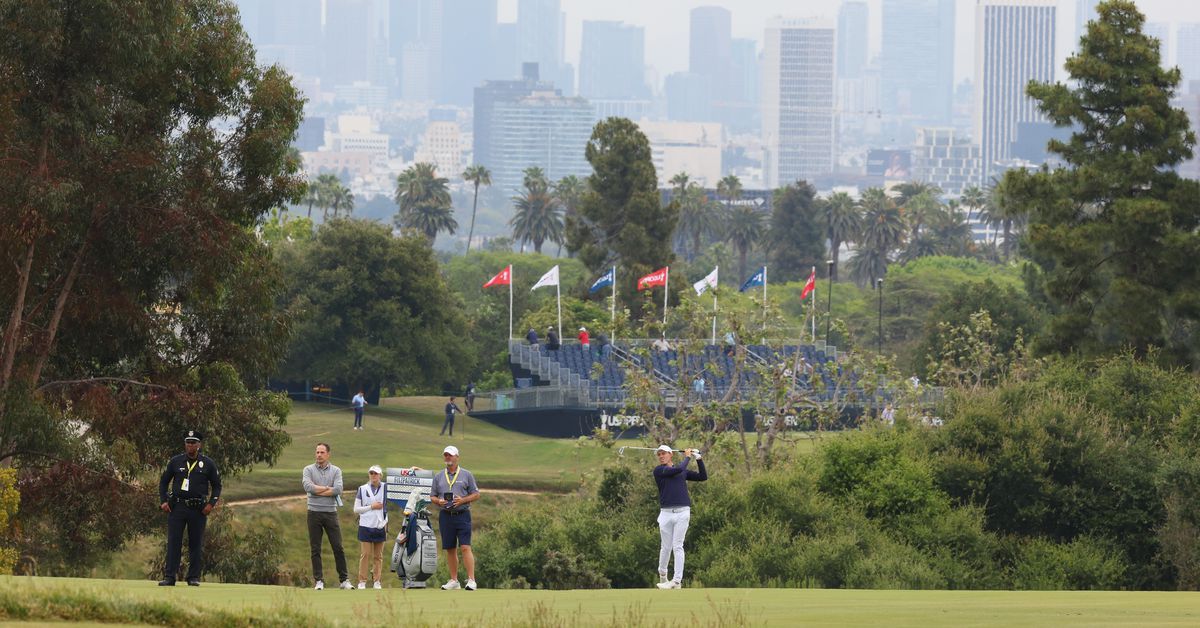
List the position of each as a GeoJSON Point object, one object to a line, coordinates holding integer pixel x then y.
{"type": "Point", "coordinates": [81, 600]}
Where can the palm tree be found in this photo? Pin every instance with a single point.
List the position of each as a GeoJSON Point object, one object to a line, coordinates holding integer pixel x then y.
{"type": "Point", "coordinates": [326, 183]}
{"type": "Point", "coordinates": [539, 215]}
{"type": "Point", "coordinates": [424, 200]}
{"type": "Point", "coordinates": [952, 233]}
{"type": "Point", "coordinates": [569, 191]}
{"type": "Point", "coordinates": [731, 188]}
{"type": "Point", "coordinates": [907, 191]}
{"type": "Point", "coordinates": [918, 211]}
{"type": "Point", "coordinates": [697, 218]}
{"type": "Point", "coordinates": [883, 231]}
{"type": "Point", "coordinates": [844, 221]}
{"type": "Point", "coordinates": [312, 195]}
{"type": "Point", "coordinates": [744, 227]}
{"type": "Point", "coordinates": [340, 197]}
{"type": "Point", "coordinates": [477, 175]}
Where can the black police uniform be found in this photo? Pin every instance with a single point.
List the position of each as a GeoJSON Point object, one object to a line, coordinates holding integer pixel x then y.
{"type": "Point", "coordinates": [187, 510]}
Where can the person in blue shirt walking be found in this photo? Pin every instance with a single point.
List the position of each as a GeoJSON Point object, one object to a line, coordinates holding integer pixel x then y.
{"type": "Point", "coordinates": [675, 509]}
{"type": "Point", "coordinates": [359, 402]}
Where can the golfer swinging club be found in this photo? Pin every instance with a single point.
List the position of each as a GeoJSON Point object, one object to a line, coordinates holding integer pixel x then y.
{"type": "Point", "coordinates": [675, 509]}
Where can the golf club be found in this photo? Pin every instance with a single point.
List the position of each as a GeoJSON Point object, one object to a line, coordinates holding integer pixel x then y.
{"type": "Point", "coordinates": [621, 450]}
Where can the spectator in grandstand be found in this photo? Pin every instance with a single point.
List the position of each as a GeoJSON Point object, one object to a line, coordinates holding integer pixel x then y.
{"type": "Point", "coordinates": [730, 343]}
{"type": "Point", "coordinates": [552, 343]}
{"type": "Point", "coordinates": [661, 344]}
{"type": "Point", "coordinates": [584, 339]}
{"type": "Point", "coordinates": [889, 415]}
{"type": "Point", "coordinates": [605, 345]}
{"type": "Point", "coordinates": [698, 385]}
{"type": "Point", "coordinates": [532, 337]}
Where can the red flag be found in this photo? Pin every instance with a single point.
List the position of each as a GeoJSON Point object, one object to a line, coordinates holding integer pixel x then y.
{"type": "Point", "coordinates": [656, 278]}
{"type": "Point", "coordinates": [504, 278]}
{"type": "Point", "coordinates": [809, 285]}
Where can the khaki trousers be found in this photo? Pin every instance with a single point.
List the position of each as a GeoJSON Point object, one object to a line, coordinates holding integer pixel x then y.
{"type": "Point", "coordinates": [372, 555]}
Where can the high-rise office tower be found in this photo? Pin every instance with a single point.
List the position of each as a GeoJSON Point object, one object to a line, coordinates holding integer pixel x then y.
{"type": "Point", "coordinates": [917, 58]}
{"type": "Point", "coordinates": [612, 61]}
{"type": "Point", "coordinates": [415, 45]}
{"type": "Point", "coordinates": [1187, 53]}
{"type": "Point", "coordinates": [798, 79]}
{"type": "Point", "coordinates": [485, 99]}
{"type": "Point", "coordinates": [288, 32]}
{"type": "Point", "coordinates": [348, 39]}
{"type": "Point", "coordinates": [852, 39]}
{"type": "Point", "coordinates": [540, 26]}
{"type": "Point", "coordinates": [468, 43]}
{"type": "Point", "coordinates": [709, 43]}
{"type": "Point", "coordinates": [1014, 44]}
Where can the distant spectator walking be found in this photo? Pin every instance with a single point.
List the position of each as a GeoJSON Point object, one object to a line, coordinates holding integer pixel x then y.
{"type": "Point", "coordinates": [451, 409]}
{"type": "Point", "coordinates": [359, 402]}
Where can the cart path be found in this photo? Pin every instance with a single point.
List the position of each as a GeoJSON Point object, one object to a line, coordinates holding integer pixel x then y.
{"type": "Point", "coordinates": [284, 498]}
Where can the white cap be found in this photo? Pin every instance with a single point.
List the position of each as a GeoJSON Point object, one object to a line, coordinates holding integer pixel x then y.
{"type": "Point", "coordinates": [583, 329]}
{"type": "Point", "coordinates": [666, 448]}
{"type": "Point", "coordinates": [375, 469]}
{"type": "Point", "coordinates": [450, 449]}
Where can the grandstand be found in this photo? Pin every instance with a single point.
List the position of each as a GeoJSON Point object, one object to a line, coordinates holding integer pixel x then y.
{"type": "Point", "coordinates": [574, 382]}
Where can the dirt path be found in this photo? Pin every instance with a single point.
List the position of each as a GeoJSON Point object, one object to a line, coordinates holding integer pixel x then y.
{"type": "Point", "coordinates": [285, 498]}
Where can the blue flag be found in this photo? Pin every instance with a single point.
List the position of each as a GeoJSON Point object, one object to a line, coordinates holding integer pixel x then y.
{"type": "Point", "coordinates": [605, 280]}
{"type": "Point", "coordinates": [757, 279]}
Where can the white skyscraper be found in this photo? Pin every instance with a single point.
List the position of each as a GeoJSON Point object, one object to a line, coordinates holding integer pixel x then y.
{"type": "Point", "coordinates": [1014, 44]}
{"type": "Point", "coordinates": [798, 87]}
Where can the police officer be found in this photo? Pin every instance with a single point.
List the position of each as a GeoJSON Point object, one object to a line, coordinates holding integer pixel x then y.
{"type": "Point", "coordinates": [189, 476]}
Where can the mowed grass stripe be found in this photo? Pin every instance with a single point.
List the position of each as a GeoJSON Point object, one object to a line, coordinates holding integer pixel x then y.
{"type": "Point", "coordinates": [729, 607]}
{"type": "Point", "coordinates": [404, 432]}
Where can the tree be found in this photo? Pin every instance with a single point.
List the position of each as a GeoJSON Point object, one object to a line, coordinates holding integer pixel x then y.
{"type": "Point", "coordinates": [141, 147]}
{"type": "Point", "coordinates": [424, 200]}
{"type": "Point", "coordinates": [883, 231]}
{"type": "Point", "coordinates": [380, 317]}
{"type": "Point", "coordinates": [341, 198]}
{"type": "Point", "coordinates": [1114, 233]}
{"type": "Point", "coordinates": [843, 222]}
{"type": "Point", "coordinates": [797, 235]}
{"type": "Point", "coordinates": [569, 193]}
{"type": "Point", "coordinates": [539, 216]}
{"type": "Point", "coordinates": [730, 186]}
{"type": "Point", "coordinates": [476, 175]}
{"type": "Point", "coordinates": [951, 320]}
{"type": "Point", "coordinates": [325, 185]}
{"type": "Point", "coordinates": [621, 219]}
{"type": "Point", "coordinates": [698, 218]}
{"type": "Point", "coordinates": [744, 228]}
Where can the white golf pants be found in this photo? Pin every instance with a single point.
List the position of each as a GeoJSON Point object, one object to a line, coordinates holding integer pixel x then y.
{"type": "Point", "coordinates": [672, 526]}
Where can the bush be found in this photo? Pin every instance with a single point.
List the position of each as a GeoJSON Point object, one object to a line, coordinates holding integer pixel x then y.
{"type": "Point", "coordinates": [570, 571]}
{"type": "Point", "coordinates": [233, 552]}
{"type": "Point", "coordinates": [1083, 564]}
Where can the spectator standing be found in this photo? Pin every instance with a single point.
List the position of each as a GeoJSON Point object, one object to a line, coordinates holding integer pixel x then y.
{"type": "Point", "coordinates": [584, 340]}
{"type": "Point", "coordinates": [532, 337]}
{"type": "Point", "coordinates": [698, 385]}
{"type": "Point", "coordinates": [470, 399]}
{"type": "Point", "coordinates": [359, 402]}
{"type": "Point", "coordinates": [605, 345]}
{"type": "Point", "coordinates": [323, 484]}
{"type": "Point", "coordinates": [552, 343]}
{"type": "Point", "coordinates": [451, 409]}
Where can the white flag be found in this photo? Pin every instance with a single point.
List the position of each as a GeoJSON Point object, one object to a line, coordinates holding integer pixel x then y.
{"type": "Point", "coordinates": [549, 279]}
{"type": "Point", "coordinates": [708, 282]}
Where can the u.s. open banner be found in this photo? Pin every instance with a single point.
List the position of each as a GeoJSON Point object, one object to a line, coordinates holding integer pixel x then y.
{"type": "Point", "coordinates": [402, 480]}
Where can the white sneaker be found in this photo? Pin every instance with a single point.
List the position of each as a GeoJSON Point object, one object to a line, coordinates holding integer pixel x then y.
{"type": "Point", "coordinates": [320, 585]}
{"type": "Point", "coordinates": [450, 586]}
{"type": "Point", "coordinates": [470, 584]}
{"type": "Point", "coordinates": [670, 584]}
{"type": "Point", "coordinates": [362, 585]}
{"type": "Point", "coordinates": [662, 577]}
{"type": "Point", "coordinates": [378, 584]}
{"type": "Point", "coordinates": [347, 586]}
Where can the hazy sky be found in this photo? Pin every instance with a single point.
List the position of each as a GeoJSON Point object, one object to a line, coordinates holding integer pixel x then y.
{"type": "Point", "coordinates": [666, 23]}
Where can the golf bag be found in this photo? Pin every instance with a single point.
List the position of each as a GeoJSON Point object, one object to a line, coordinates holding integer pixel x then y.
{"type": "Point", "coordinates": [415, 555]}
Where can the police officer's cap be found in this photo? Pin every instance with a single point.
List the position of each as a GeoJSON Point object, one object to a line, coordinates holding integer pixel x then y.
{"type": "Point", "coordinates": [193, 435]}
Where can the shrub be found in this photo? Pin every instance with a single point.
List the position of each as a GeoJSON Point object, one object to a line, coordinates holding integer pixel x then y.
{"type": "Point", "coordinates": [1083, 564]}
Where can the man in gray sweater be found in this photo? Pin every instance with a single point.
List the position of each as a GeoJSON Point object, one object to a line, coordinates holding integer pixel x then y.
{"type": "Point", "coordinates": [323, 484]}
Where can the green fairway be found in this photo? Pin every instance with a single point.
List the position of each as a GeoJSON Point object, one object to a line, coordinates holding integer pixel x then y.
{"type": "Point", "coordinates": [404, 432]}
{"type": "Point", "coordinates": [710, 607]}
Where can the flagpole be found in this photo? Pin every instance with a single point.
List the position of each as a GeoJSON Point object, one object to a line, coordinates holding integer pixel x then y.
{"type": "Point", "coordinates": [612, 313]}
{"type": "Point", "coordinates": [510, 313]}
{"type": "Point", "coordinates": [764, 324]}
{"type": "Point", "coordinates": [814, 307]}
{"type": "Point", "coordinates": [666, 293]}
{"type": "Point", "coordinates": [714, 333]}
{"type": "Point", "coordinates": [558, 297]}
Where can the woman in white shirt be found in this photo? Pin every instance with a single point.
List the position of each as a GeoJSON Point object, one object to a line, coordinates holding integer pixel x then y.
{"type": "Point", "coordinates": [369, 505]}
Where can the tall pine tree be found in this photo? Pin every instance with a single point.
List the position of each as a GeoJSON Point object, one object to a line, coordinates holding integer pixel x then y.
{"type": "Point", "coordinates": [1113, 232]}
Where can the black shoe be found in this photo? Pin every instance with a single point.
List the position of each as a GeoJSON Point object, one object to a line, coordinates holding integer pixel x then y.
{"type": "Point", "coordinates": [193, 583]}
{"type": "Point", "coordinates": [166, 583]}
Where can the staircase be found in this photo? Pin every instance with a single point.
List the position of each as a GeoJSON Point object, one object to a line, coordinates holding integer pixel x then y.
{"type": "Point", "coordinates": [576, 388]}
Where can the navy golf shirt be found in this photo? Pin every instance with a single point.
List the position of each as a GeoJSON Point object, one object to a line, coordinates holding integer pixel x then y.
{"type": "Point", "coordinates": [672, 483]}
